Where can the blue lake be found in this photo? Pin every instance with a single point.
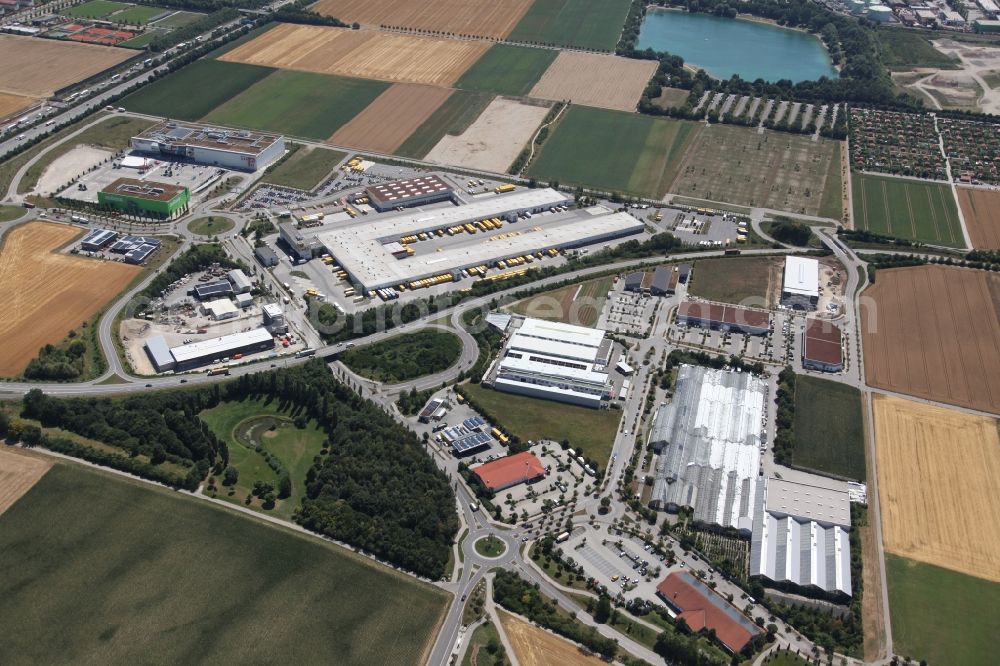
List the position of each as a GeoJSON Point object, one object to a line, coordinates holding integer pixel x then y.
{"type": "Point", "coordinates": [724, 46]}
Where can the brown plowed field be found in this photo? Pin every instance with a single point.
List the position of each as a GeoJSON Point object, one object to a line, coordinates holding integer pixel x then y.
{"type": "Point", "coordinates": [931, 332]}
{"type": "Point", "coordinates": [364, 54]}
{"type": "Point", "coordinates": [537, 647]}
{"type": "Point", "coordinates": [11, 104]}
{"type": "Point", "coordinates": [482, 18]}
{"type": "Point", "coordinates": [18, 473]}
{"type": "Point", "coordinates": [46, 294]}
{"type": "Point", "coordinates": [590, 79]}
{"type": "Point", "coordinates": [388, 121]}
{"type": "Point", "coordinates": [981, 210]}
{"type": "Point", "coordinates": [36, 67]}
{"type": "Point", "coordinates": [938, 479]}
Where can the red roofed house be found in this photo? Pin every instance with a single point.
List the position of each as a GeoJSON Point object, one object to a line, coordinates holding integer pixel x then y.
{"type": "Point", "coordinates": [510, 471]}
{"type": "Point", "coordinates": [701, 608]}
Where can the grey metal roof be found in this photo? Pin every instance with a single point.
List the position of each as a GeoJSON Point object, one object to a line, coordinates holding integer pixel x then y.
{"type": "Point", "coordinates": [213, 289]}
{"type": "Point", "coordinates": [159, 352]}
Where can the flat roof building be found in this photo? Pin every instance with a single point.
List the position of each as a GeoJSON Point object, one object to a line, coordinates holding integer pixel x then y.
{"type": "Point", "coordinates": [407, 193]}
{"type": "Point", "coordinates": [300, 245]}
{"type": "Point", "coordinates": [212, 290]}
{"type": "Point", "coordinates": [510, 471]}
{"type": "Point", "coordinates": [214, 350]}
{"type": "Point", "coordinates": [633, 281]}
{"type": "Point", "coordinates": [219, 309]}
{"type": "Point", "coordinates": [159, 354]}
{"type": "Point", "coordinates": [702, 609]}
{"type": "Point", "coordinates": [241, 150]}
{"type": "Point", "coordinates": [724, 317]}
{"type": "Point", "coordinates": [139, 197]}
{"type": "Point", "coordinates": [664, 281]}
{"type": "Point", "coordinates": [800, 289]}
{"type": "Point", "coordinates": [266, 256]}
{"type": "Point", "coordinates": [822, 346]}
{"type": "Point", "coordinates": [97, 239]}
{"type": "Point", "coordinates": [241, 283]}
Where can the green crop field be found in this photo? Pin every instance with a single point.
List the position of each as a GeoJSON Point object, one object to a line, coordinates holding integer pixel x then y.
{"type": "Point", "coordinates": [405, 356]}
{"type": "Point", "coordinates": [942, 616]}
{"type": "Point", "coordinates": [138, 15]}
{"type": "Point", "coordinates": [738, 280]}
{"type": "Point", "coordinates": [94, 9]}
{"type": "Point", "coordinates": [130, 573]}
{"type": "Point", "coordinates": [592, 430]}
{"type": "Point", "coordinates": [587, 24]}
{"type": "Point", "coordinates": [913, 209]}
{"type": "Point", "coordinates": [828, 428]}
{"type": "Point", "coordinates": [305, 168]}
{"type": "Point", "coordinates": [507, 70]}
{"type": "Point", "coordinates": [299, 103]}
{"type": "Point", "coordinates": [190, 93]}
{"type": "Point", "coordinates": [453, 117]}
{"type": "Point", "coordinates": [614, 150]}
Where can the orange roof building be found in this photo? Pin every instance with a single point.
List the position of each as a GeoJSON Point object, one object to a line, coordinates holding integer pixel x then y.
{"type": "Point", "coordinates": [701, 608]}
{"type": "Point", "coordinates": [510, 471]}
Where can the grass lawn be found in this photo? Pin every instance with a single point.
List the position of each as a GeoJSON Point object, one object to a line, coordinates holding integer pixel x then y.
{"type": "Point", "coordinates": [477, 655]}
{"type": "Point", "coordinates": [785, 658]}
{"type": "Point", "coordinates": [294, 447]}
{"type": "Point", "coordinates": [127, 570]}
{"type": "Point", "coordinates": [299, 103]}
{"type": "Point", "coordinates": [615, 151]}
{"type": "Point", "coordinates": [828, 427]}
{"type": "Point", "coordinates": [732, 279]}
{"type": "Point", "coordinates": [305, 168]}
{"type": "Point", "coordinates": [592, 430]}
{"type": "Point", "coordinates": [178, 20]}
{"type": "Point", "coordinates": [210, 226]}
{"type": "Point", "coordinates": [93, 9]}
{"type": "Point", "coordinates": [405, 356]}
{"type": "Point", "coordinates": [588, 24]}
{"type": "Point", "coordinates": [490, 546]}
{"type": "Point", "coordinates": [8, 213]}
{"type": "Point", "coordinates": [908, 49]}
{"type": "Point", "coordinates": [831, 204]}
{"type": "Point", "coordinates": [215, 82]}
{"type": "Point", "coordinates": [560, 304]}
{"type": "Point", "coordinates": [508, 70]}
{"type": "Point", "coordinates": [913, 209]}
{"type": "Point", "coordinates": [942, 616]}
{"type": "Point", "coordinates": [138, 15]}
{"type": "Point", "coordinates": [453, 117]}
{"type": "Point", "coordinates": [143, 39]}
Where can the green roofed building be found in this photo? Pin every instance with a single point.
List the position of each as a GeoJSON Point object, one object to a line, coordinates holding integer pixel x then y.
{"type": "Point", "coordinates": [147, 198]}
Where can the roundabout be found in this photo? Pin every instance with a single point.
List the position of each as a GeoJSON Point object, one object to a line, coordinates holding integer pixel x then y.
{"type": "Point", "coordinates": [490, 546]}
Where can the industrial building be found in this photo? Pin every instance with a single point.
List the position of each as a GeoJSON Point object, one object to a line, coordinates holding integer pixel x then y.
{"type": "Point", "coordinates": [241, 283]}
{"type": "Point", "coordinates": [510, 471]}
{"type": "Point", "coordinates": [664, 281]}
{"type": "Point", "coordinates": [709, 440]}
{"type": "Point", "coordinates": [724, 317]}
{"type": "Point", "coordinates": [299, 245]}
{"type": "Point", "coordinates": [135, 248]}
{"type": "Point", "coordinates": [219, 309]}
{"type": "Point", "coordinates": [702, 609]}
{"type": "Point", "coordinates": [633, 282]}
{"type": "Point", "coordinates": [274, 318]}
{"type": "Point", "coordinates": [97, 239]}
{"type": "Point", "coordinates": [205, 352]}
{"type": "Point", "coordinates": [137, 197]}
{"type": "Point", "coordinates": [267, 257]}
{"type": "Point", "coordinates": [212, 290]}
{"type": "Point", "coordinates": [408, 193]}
{"type": "Point", "coordinates": [801, 535]}
{"type": "Point", "coordinates": [555, 361]}
{"type": "Point", "coordinates": [800, 289]}
{"type": "Point", "coordinates": [822, 346]}
{"type": "Point", "coordinates": [240, 150]}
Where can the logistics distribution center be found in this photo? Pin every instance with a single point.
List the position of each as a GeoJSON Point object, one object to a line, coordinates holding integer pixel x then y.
{"type": "Point", "coordinates": [144, 197]}
{"type": "Point", "coordinates": [240, 150]}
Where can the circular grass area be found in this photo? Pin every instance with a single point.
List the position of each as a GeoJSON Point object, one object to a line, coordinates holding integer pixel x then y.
{"type": "Point", "coordinates": [210, 226]}
{"type": "Point", "coordinates": [490, 546]}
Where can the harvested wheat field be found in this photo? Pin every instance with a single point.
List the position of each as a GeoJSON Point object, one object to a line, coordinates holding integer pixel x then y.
{"type": "Point", "coordinates": [590, 79]}
{"type": "Point", "coordinates": [47, 294]}
{"type": "Point", "coordinates": [18, 473]}
{"type": "Point", "coordinates": [388, 121]}
{"type": "Point", "coordinates": [981, 210]}
{"type": "Point", "coordinates": [494, 140]}
{"type": "Point", "coordinates": [11, 104]}
{"type": "Point", "coordinates": [365, 54]}
{"type": "Point", "coordinates": [480, 18]}
{"type": "Point", "coordinates": [938, 478]}
{"type": "Point", "coordinates": [537, 647]}
{"type": "Point", "coordinates": [35, 67]}
{"type": "Point", "coordinates": [931, 332]}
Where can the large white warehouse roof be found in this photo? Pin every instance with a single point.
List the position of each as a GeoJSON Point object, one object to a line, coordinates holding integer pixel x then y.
{"type": "Point", "coordinates": [219, 346]}
{"type": "Point", "coordinates": [801, 276]}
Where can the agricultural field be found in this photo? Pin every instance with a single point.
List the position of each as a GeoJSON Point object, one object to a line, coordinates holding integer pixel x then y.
{"type": "Point", "coordinates": [494, 140]}
{"type": "Point", "coordinates": [19, 472]}
{"type": "Point", "coordinates": [590, 79]}
{"type": "Point", "coordinates": [298, 103]}
{"type": "Point", "coordinates": [615, 151]}
{"type": "Point", "coordinates": [404, 357]}
{"type": "Point", "coordinates": [592, 430]}
{"type": "Point", "coordinates": [304, 169]}
{"type": "Point", "coordinates": [981, 210]}
{"type": "Point", "coordinates": [534, 646]}
{"type": "Point", "coordinates": [931, 332]}
{"type": "Point", "coordinates": [829, 435]}
{"type": "Point", "coordinates": [912, 209]}
{"type": "Point", "coordinates": [585, 24]}
{"type": "Point", "coordinates": [38, 67]}
{"type": "Point", "coordinates": [938, 469]}
{"type": "Point", "coordinates": [155, 573]}
{"type": "Point", "coordinates": [480, 18]}
{"type": "Point", "coordinates": [579, 304]}
{"type": "Point", "coordinates": [940, 616]}
{"type": "Point", "coordinates": [752, 281]}
{"type": "Point", "coordinates": [388, 121]}
{"type": "Point", "coordinates": [39, 312]}
{"type": "Point", "coordinates": [363, 54]}
{"type": "Point", "coordinates": [776, 170]}
{"type": "Point", "coordinates": [12, 104]}
{"type": "Point", "coordinates": [451, 119]}
{"type": "Point", "coordinates": [507, 70]}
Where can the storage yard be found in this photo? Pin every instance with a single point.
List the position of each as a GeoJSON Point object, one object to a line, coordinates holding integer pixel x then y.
{"type": "Point", "coordinates": [18, 473]}
{"type": "Point", "coordinates": [39, 67]}
{"type": "Point", "coordinates": [590, 79]}
{"type": "Point", "coordinates": [481, 18]}
{"type": "Point", "coordinates": [939, 470]}
{"type": "Point", "coordinates": [930, 332]}
{"type": "Point", "coordinates": [917, 210]}
{"type": "Point", "coordinates": [389, 120]}
{"type": "Point", "coordinates": [981, 210]}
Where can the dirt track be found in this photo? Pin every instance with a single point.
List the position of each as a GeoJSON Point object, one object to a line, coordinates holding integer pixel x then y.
{"type": "Point", "coordinates": [981, 209]}
{"type": "Point", "coordinates": [483, 18]}
{"type": "Point", "coordinates": [364, 54]}
{"type": "Point", "coordinates": [18, 473]}
{"type": "Point", "coordinates": [47, 294]}
{"type": "Point", "coordinates": [604, 81]}
{"type": "Point", "coordinates": [939, 477]}
{"type": "Point", "coordinates": [36, 67]}
{"type": "Point", "coordinates": [388, 121]}
{"type": "Point", "coordinates": [931, 332]}
{"type": "Point", "coordinates": [535, 647]}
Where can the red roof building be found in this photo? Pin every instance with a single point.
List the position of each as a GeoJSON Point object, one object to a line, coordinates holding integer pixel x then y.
{"type": "Point", "coordinates": [701, 608]}
{"type": "Point", "coordinates": [724, 317]}
{"type": "Point", "coordinates": [510, 471]}
{"type": "Point", "coordinates": [821, 346]}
